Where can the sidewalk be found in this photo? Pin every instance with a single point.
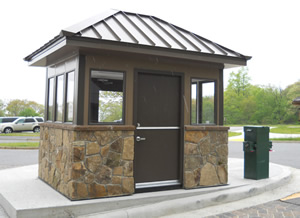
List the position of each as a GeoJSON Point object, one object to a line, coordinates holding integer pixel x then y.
{"type": "Point", "coordinates": [22, 194]}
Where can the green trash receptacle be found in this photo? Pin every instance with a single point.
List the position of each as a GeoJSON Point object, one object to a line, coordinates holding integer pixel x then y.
{"type": "Point", "coordinates": [256, 152]}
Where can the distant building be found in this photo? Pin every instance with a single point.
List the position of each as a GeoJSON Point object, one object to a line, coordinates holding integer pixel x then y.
{"type": "Point", "coordinates": [297, 102]}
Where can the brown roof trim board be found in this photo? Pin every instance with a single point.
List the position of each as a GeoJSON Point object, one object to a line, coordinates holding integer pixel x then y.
{"type": "Point", "coordinates": [138, 31]}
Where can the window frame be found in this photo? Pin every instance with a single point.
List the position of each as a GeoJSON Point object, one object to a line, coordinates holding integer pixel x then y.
{"type": "Point", "coordinates": [48, 98]}
{"type": "Point", "coordinates": [124, 98]}
{"type": "Point", "coordinates": [198, 92]}
{"type": "Point", "coordinates": [56, 98]}
{"type": "Point", "coordinates": [64, 96]}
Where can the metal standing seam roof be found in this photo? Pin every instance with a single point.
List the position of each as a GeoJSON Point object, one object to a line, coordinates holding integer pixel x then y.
{"type": "Point", "coordinates": [143, 30]}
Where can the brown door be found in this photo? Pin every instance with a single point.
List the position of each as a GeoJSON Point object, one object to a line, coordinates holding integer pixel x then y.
{"type": "Point", "coordinates": [158, 133]}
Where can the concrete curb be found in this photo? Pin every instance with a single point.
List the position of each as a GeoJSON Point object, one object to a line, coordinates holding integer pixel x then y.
{"type": "Point", "coordinates": [23, 195]}
{"type": "Point", "coordinates": [198, 202]}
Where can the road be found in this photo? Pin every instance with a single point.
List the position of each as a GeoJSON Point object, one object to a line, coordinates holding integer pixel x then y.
{"type": "Point", "coordinates": [284, 153]}
{"type": "Point", "coordinates": [10, 158]}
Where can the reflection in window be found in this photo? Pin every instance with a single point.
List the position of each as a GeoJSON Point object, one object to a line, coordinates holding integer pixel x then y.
{"type": "Point", "coordinates": [50, 99]}
{"type": "Point", "coordinates": [70, 97]}
{"type": "Point", "coordinates": [20, 121]}
{"type": "Point", "coordinates": [59, 97]}
{"type": "Point", "coordinates": [106, 97]}
{"type": "Point", "coordinates": [203, 102]}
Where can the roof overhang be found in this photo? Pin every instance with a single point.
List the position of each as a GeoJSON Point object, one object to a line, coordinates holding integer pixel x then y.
{"type": "Point", "coordinates": [68, 45]}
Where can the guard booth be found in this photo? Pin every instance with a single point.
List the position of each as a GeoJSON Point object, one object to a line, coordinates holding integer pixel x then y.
{"type": "Point", "coordinates": [132, 103]}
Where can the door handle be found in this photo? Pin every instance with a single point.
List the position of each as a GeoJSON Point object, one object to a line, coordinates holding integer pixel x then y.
{"type": "Point", "coordinates": [138, 139]}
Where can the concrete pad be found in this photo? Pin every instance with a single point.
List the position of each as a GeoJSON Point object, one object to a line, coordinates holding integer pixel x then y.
{"type": "Point", "coordinates": [22, 194]}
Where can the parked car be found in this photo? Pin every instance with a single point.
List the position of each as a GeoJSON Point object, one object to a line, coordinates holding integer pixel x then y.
{"type": "Point", "coordinates": [7, 119]}
{"type": "Point", "coordinates": [22, 124]}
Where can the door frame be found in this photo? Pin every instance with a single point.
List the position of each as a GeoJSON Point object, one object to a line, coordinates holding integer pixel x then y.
{"type": "Point", "coordinates": [135, 104]}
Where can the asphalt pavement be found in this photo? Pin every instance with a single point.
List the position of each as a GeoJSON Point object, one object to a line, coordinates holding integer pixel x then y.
{"type": "Point", "coordinates": [285, 153]}
{"type": "Point", "coordinates": [10, 158]}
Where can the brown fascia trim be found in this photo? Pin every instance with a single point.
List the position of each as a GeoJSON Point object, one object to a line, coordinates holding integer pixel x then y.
{"type": "Point", "coordinates": [206, 128]}
{"type": "Point", "coordinates": [85, 42]}
{"type": "Point", "coordinates": [43, 48]}
{"type": "Point", "coordinates": [72, 127]}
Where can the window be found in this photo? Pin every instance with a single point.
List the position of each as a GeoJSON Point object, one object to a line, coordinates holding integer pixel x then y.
{"type": "Point", "coordinates": [40, 120]}
{"type": "Point", "coordinates": [50, 99]}
{"type": "Point", "coordinates": [7, 120]}
{"type": "Point", "coordinates": [20, 121]}
{"type": "Point", "coordinates": [61, 90]}
{"type": "Point", "coordinates": [202, 101]}
{"type": "Point", "coordinates": [29, 120]}
{"type": "Point", "coordinates": [106, 97]}
{"type": "Point", "coordinates": [70, 97]}
{"type": "Point", "coordinates": [59, 98]}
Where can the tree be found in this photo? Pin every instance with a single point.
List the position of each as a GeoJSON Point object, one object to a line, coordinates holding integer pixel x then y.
{"type": "Point", "coordinates": [239, 82]}
{"type": "Point", "coordinates": [110, 106]}
{"type": "Point", "coordinates": [236, 101]}
{"type": "Point", "coordinates": [16, 106]}
{"type": "Point", "coordinates": [28, 112]}
{"type": "Point", "coordinates": [292, 92]}
{"type": "Point", "coordinates": [2, 108]}
{"type": "Point", "coordinates": [252, 104]}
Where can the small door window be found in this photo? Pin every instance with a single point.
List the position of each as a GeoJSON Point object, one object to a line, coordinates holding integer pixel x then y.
{"type": "Point", "coordinates": [106, 97]}
{"type": "Point", "coordinates": [203, 110]}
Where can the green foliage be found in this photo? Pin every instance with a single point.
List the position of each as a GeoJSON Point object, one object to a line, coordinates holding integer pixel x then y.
{"type": "Point", "coordinates": [230, 134]}
{"type": "Point", "coordinates": [22, 134]}
{"type": "Point", "coordinates": [239, 82]}
{"type": "Point", "coordinates": [2, 108]}
{"type": "Point", "coordinates": [110, 106]}
{"type": "Point", "coordinates": [20, 145]}
{"type": "Point", "coordinates": [208, 109]}
{"type": "Point", "coordinates": [252, 104]}
{"type": "Point", "coordinates": [19, 107]}
{"type": "Point", "coordinates": [286, 129]}
{"type": "Point", "coordinates": [28, 112]}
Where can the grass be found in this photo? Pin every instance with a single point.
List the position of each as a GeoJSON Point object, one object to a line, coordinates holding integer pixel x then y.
{"type": "Point", "coordinates": [230, 134]}
{"type": "Point", "coordinates": [21, 134]}
{"type": "Point", "coordinates": [287, 129]}
{"type": "Point", "coordinates": [285, 139]}
{"type": "Point", "coordinates": [20, 145]}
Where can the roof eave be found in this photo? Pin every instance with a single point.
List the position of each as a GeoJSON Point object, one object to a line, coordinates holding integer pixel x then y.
{"type": "Point", "coordinates": [228, 61]}
{"type": "Point", "coordinates": [38, 57]}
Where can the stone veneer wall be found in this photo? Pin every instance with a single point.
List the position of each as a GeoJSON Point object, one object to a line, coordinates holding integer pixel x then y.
{"type": "Point", "coordinates": [205, 156]}
{"type": "Point", "coordinates": [85, 162]}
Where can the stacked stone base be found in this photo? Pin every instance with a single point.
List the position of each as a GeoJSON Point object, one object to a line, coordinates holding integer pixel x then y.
{"type": "Point", "coordinates": [85, 162]}
{"type": "Point", "coordinates": [205, 156]}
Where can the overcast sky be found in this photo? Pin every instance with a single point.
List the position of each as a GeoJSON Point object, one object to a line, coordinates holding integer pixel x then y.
{"type": "Point", "coordinates": [267, 30]}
